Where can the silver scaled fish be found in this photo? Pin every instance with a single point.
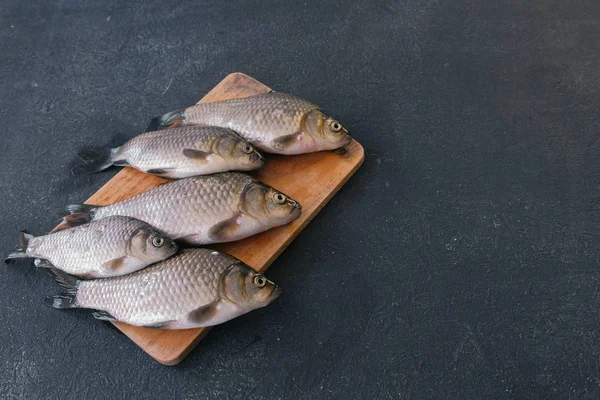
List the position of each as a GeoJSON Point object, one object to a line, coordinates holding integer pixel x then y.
{"type": "Point", "coordinates": [109, 247]}
{"type": "Point", "coordinates": [273, 122]}
{"type": "Point", "coordinates": [195, 288]}
{"type": "Point", "coordinates": [202, 210]}
{"type": "Point", "coordinates": [177, 153]}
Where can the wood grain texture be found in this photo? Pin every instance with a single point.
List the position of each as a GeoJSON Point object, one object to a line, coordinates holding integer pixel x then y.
{"type": "Point", "coordinates": [312, 179]}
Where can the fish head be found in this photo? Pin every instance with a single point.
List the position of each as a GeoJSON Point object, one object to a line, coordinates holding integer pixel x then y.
{"type": "Point", "coordinates": [247, 288]}
{"type": "Point", "coordinates": [268, 206]}
{"type": "Point", "coordinates": [326, 132]}
{"type": "Point", "coordinates": [240, 154]}
{"type": "Point", "coordinates": [246, 155]}
{"type": "Point", "coordinates": [151, 245]}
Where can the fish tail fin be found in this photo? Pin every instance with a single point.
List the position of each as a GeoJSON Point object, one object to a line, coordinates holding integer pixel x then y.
{"type": "Point", "coordinates": [79, 214]}
{"type": "Point", "coordinates": [91, 160]}
{"type": "Point", "coordinates": [61, 301]}
{"type": "Point", "coordinates": [69, 284]}
{"type": "Point", "coordinates": [19, 251]}
{"type": "Point", "coordinates": [165, 120]}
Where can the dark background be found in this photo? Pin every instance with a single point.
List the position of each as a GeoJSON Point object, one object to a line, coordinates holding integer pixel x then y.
{"type": "Point", "coordinates": [461, 261]}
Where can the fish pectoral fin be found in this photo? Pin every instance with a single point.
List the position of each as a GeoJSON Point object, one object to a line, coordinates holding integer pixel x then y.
{"type": "Point", "coordinates": [196, 155]}
{"type": "Point", "coordinates": [226, 230]}
{"type": "Point", "coordinates": [202, 316]}
{"type": "Point", "coordinates": [283, 142]}
{"type": "Point", "coordinates": [116, 263]}
{"type": "Point", "coordinates": [160, 325]}
{"type": "Point", "coordinates": [103, 316]}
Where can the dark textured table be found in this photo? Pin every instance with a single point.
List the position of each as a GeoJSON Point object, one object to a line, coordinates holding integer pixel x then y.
{"type": "Point", "coordinates": [462, 260]}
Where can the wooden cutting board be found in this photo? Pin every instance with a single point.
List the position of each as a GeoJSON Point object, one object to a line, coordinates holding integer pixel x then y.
{"type": "Point", "coordinates": [311, 179]}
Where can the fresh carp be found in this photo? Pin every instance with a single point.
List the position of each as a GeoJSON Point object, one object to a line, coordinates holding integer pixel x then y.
{"type": "Point", "coordinates": [177, 153]}
{"type": "Point", "coordinates": [202, 210]}
{"type": "Point", "coordinates": [273, 122]}
{"type": "Point", "coordinates": [108, 247]}
{"type": "Point", "coordinates": [195, 288]}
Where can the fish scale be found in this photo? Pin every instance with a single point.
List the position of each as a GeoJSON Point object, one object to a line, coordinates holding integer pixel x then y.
{"type": "Point", "coordinates": [277, 123]}
{"type": "Point", "coordinates": [150, 149]}
{"type": "Point", "coordinates": [195, 288]}
{"type": "Point", "coordinates": [258, 119]}
{"type": "Point", "coordinates": [177, 153]}
{"type": "Point", "coordinates": [90, 249]}
{"type": "Point", "coordinates": [200, 203]}
{"type": "Point", "coordinates": [171, 295]}
{"type": "Point", "coordinates": [206, 209]}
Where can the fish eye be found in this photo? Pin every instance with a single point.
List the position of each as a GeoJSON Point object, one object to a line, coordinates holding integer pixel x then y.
{"type": "Point", "coordinates": [335, 126]}
{"type": "Point", "coordinates": [279, 198]}
{"type": "Point", "coordinates": [248, 148]}
{"type": "Point", "coordinates": [260, 281]}
{"type": "Point", "coordinates": [158, 241]}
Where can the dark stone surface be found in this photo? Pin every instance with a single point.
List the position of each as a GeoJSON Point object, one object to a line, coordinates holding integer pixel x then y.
{"type": "Point", "coordinates": [462, 260]}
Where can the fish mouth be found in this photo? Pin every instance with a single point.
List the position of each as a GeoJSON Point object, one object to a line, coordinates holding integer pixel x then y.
{"type": "Point", "coordinates": [347, 139]}
{"type": "Point", "coordinates": [296, 208]}
{"type": "Point", "coordinates": [256, 157]}
{"type": "Point", "coordinates": [275, 293]}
